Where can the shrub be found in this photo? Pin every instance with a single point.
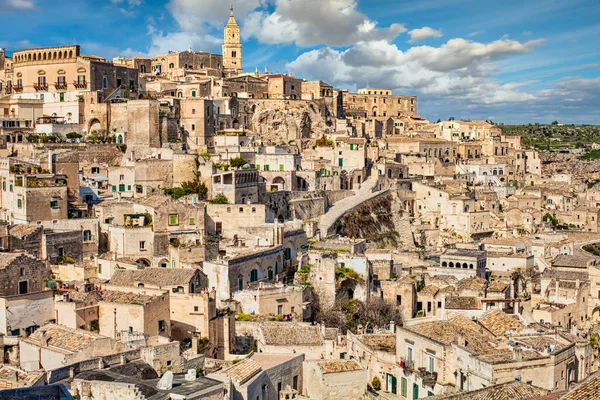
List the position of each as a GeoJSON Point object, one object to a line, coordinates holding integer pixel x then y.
{"type": "Point", "coordinates": [243, 317]}
{"type": "Point", "coordinates": [237, 162]}
{"type": "Point", "coordinates": [219, 199]}
{"type": "Point", "coordinates": [186, 188]}
{"type": "Point", "coordinates": [74, 135]}
{"type": "Point", "coordinates": [376, 383]}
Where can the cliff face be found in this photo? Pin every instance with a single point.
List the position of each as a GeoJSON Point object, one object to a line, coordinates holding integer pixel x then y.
{"type": "Point", "coordinates": [280, 121]}
{"type": "Point", "coordinates": [382, 221]}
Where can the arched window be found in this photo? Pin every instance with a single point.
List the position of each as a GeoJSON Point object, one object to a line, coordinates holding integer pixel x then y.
{"type": "Point", "coordinates": [171, 65]}
{"type": "Point", "coordinates": [465, 265]}
{"type": "Point", "coordinates": [270, 274]}
{"type": "Point", "coordinates": [470, 266]}
{"type": "Point", "coordinates": [451, 265]}
{"type": "Point", "coordinates": [444, 264]}
{"type": "Point", "coordinates": [180, 289]}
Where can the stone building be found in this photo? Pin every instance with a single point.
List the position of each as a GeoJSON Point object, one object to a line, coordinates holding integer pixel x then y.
{"type": "Point", "coordinates": [124, 315]}
{"type": "Point", "coordinates": [334, 379]}
{"type": "Point", "coordinates": [190, 303]}
{"type": "Point", "coordinates": [62, 69]}
{"type": "Point", "coordinates": [262, 376]}
{"type": "Point", "coordinates": [232, 47]}
{"type": "Point", "coordinates": [54, 346]}
{"type": "Point", "coordinates": [370, 102]}
{"type": "Point", "coordinates": [25, 302]}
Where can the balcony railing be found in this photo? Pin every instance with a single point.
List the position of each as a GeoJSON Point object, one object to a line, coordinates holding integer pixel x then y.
{"type": "Point", "coordinates": [407, 365]}
{"type": "Point", "coordinates": [429, 378]}
{"type": "Point", "coordinates": [18, 88]}
{"type": "Point", "coordinates": [60, 85]}
{"type": "Point", "coordinates": [80, 85]}
{"type": "Point", "coordinates": [40, 86]}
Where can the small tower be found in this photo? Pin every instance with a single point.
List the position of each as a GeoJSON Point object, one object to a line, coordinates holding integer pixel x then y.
{"type": "Point", "coordinates": [232, 46]}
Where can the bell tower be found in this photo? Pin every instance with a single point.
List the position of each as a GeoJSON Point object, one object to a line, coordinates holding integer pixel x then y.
{"type": "Point", "coordinates": [232, 46]}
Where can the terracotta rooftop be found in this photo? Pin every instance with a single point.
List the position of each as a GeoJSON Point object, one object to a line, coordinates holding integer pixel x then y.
{"type": "Point", "coordinates": [153, 276]}
{"type": "Point", "coordinates": [429, 290]}
{"type": "Point", "coordinates": [23, 230]}
{"type": "Point", "coordinates": [380, 341]}
{"type": "Point", "coordinates": [515, 390]}
{"type": "Point", "coordinates": [497, 286]}
{"type": "Point", "coordinates": [474, 283]}
{"type": "Point", "coordinates": [338, 366]}
{"type": "Point", "coordinates": [11, 377]}
{"type": "Point", "coordinates": [588, 390]}
{"type": "Point", "coordinates": [571, 261]}
{"type": "Point", "coordinates": [498, 322]}
{"type": "Point", "coordinates": [63, 338]}
{"type": "Point", "coordinates": [462, 303]}
{"type": "Point", "coordinates": [291, 334]}
{"type": "Point", "coordinates": [127, 298]}
{"type": "Point", "coordinates": [542, 342]}
{"type": "Point", "coordinates": [8, 258]}
{"type": "Point", "coordinates": [447, 332]}
{"type": "Point", "coordinates": [243, 370]}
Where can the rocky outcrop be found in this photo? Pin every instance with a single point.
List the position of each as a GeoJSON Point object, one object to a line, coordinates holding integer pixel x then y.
{"type": "Point", "coordinates": [281, 121]}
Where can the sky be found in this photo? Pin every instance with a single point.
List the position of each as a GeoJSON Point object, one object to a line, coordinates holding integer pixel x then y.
{"type": "Point", "coordinates": [510, 61]}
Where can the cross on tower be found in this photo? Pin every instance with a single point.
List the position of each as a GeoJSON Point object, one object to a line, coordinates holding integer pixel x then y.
{"type": "Point", "coordinates": [231, 8]}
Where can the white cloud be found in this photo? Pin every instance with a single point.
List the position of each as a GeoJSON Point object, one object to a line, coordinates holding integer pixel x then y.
{"type": "Point", "coordinates": [21, 4]}
{"type": "Point", "coordinates": [457, 71]}
{"type": "Point", "coordinates": [424, 33]}
{"type": "Point", "coordinates": [308, 23]}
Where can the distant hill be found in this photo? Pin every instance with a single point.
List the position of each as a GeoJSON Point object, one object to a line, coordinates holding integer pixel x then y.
{"type": "Point", "coordinates": [548, 137]}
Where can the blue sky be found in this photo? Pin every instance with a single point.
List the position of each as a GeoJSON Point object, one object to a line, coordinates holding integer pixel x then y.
{"type": "Point", "coordinates": [513, 61]}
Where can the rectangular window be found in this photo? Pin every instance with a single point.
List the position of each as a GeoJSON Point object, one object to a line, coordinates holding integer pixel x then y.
{"type": "Point", "coordinates": [19, 203]}
{"type": "Point", "coordinates": [142, 245]}
{"type": "Point", "coordinates": [61, 97]}
{"type": "Point", "coordinates": [266, 167]}
{"type": "Point", "coordinates": [281, 167]}
{"type": "Point", "coordinates": [430, 363]}
{"type": "Point", "coordinates": [53, 203]}
{"type": "Point", "coordinates": [128, 188]}
{"type": "Point", "coordinates": [193, 93]}
{"type": "Point", "coordinates": [192, 221]}
{"type": "Point", "coordinates": [161, 325]}
{"type": "Point", "coordinates": [193, 127]}
{"type": "Point", "coordinates": [95, 170]}
{"type": "Point", "coordinates": [193, 111]}
{"type": "Point", "coordinates": [173, 219]}
{"type": "Point", "coordinates": [23, 287]}
{"type": "Point", "coordinates": [403, 387]}
{"type": "Point", "coordinates": [279, 310]}
{"type": "Point", "coordinates": [295, 382]}
{"type": "Point", "coordinates": [121, 188]}
{"type": "Point", "coordinates": [121, 177]}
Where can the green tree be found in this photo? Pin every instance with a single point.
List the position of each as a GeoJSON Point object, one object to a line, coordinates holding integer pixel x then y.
{"type": "Point", "coordinates": [187, 188]}
{"type": "Point", "coordinates": [219, 199]}
{"type": "Point", "coordinates": [238, 162]}
{"type": "Point", "coordinates": [74, 135]}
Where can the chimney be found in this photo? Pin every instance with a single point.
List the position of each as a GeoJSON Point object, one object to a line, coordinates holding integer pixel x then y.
{"type": "Point", "coordinates": [44, 339]}
{"type": "Point", "coordinates": [517, 353]}
{"type": "Point", "coordinates": [392, 327]}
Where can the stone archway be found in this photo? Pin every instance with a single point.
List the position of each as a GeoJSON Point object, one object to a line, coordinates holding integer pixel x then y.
{"type": "Point", "coordinates": [94, 125]}
{"type": "Point", "coordinates": [278, 183]}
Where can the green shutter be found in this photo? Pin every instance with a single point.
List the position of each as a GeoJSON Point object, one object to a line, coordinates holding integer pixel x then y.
{"type": "Point", "coordinates": [281, 167]}
{"type": "Point", "coordinates": [114, 188]}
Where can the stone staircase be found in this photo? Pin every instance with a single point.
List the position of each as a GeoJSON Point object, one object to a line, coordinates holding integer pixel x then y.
{"type": "Point", "coordinates": [365, 193]}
